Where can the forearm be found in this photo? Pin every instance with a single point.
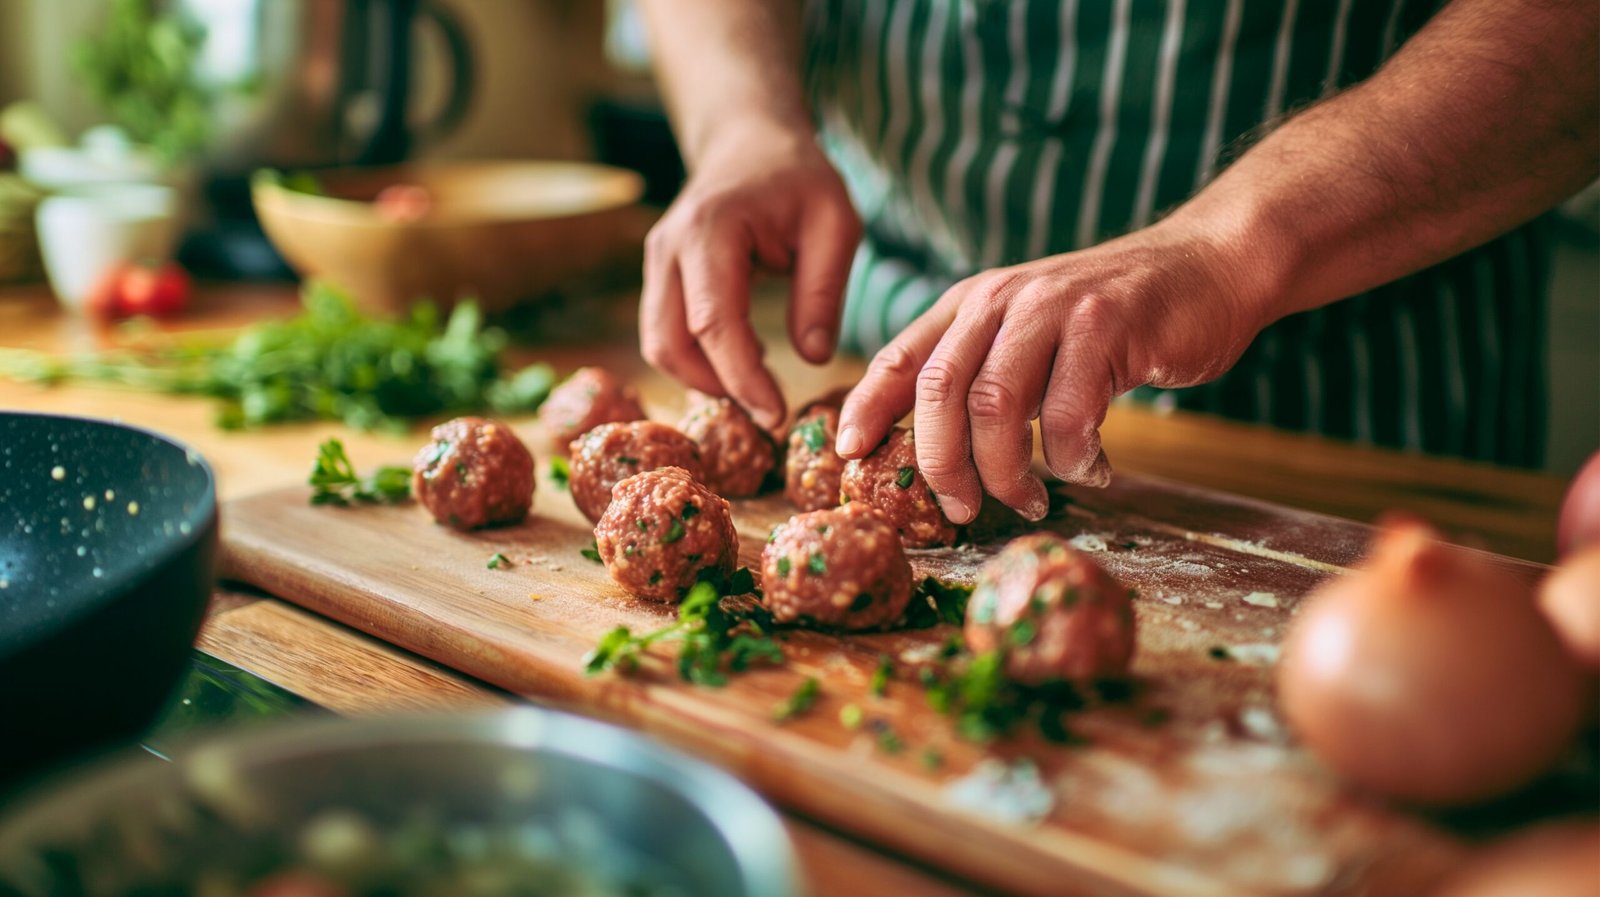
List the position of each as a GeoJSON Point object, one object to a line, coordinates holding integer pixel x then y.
{"type": "Point", "coordinates": [724, 62]}
{"type": "Point", "coordinates": [1485, 119]}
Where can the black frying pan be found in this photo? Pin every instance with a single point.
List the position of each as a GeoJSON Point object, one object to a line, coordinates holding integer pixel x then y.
{"type": "Point", "coordinates": [107, 544]}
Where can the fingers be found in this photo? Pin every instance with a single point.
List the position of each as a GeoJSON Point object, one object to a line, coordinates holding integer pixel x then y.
{"type": "Point", "coordinates": [1001, 403]}
{"type": "Point", "coordinates": [1074, 406]}
{"type": "Point", "coordinates": [827, 242]}
{"type": "Point", "coordinates": [944, 445]}
{"type": "Point", "coordinates": [889, 388]}
{"type": "Point", "coordinates": [716, 271]}
{"type": "Point", "coordinates": [664, 337]}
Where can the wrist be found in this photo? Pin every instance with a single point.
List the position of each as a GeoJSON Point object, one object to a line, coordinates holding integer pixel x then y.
{"type": "Point", "coordinates": [743, 129]}
{"type": "Point", "coordinates": [1256, 258]}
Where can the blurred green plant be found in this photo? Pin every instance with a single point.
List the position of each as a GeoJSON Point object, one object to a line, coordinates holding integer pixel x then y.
{"type": "Point", "coordinates": [139, 65]}
{"type": "Point", "coordinates": [329, 362]}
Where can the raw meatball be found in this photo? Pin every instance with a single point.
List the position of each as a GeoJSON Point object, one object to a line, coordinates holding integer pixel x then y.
{"type": "Point", "coordinates": [610, 453]}
{"type": "Point", "coordinates": [737, 453]}
{"type": "Point", "coordinates": [888, 480]}
{"type": "Point", "coordinates": [474, 472]}
{"type": "Point", "coordinates": [1053, 611]}
{"type": "Point", "coordinates": [590, 397]}
{"type": "Point", "coordinates": [812, 469]}
{"type": "Point", "coordinates": [840, 568]}
{"type": "Point", "coordinates": [661, 529]}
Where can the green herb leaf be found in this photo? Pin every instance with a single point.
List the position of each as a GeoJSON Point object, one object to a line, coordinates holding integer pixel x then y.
{"type": "Point", "coordinates": [333, 479]}
{"type": "Point", "coordinates": [799, 702]}
{"type": "Point", "coordinates": [690, 510]}
{"type": "Point", "coordinates": [498, 561]}
{"type": "Point", "coordinates": [784, 566]}
{"type": "Point", "coordinates": [881, 675]}
{"type": "Point", "coordinates": [905, 476]}
{"type": "Point", "coordinates": [934, 602]}
{"type": "Point", "coordinates": [592, 552]}
{"type": "Point", "coordinates": [560, 472]}
{"type": "Point", "coordinates": [674, 532]}
{"type": "Point", "coordinates": [713, 639]}
{"type": "Point", "coordinates": [812, 433]}
{"type": "Point", "coordinates": [624, 459]}
{"type": "Point", "coordinates": [817, 564]}
{"type": "Point", "coordinates": [850, 716]}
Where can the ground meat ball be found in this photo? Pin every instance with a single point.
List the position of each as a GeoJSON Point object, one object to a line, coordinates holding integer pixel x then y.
{"type": "Point", "coordinates": [610, 453]}
{"type": "Point", "coordinates": [888, 480]}
{"type": "Point", "coordinates": [474, 472]}
{"type": "Point", "coordinates": [1054, 612]}
{"type": "Point", "coordinates": [841, 568]}
{"type": "Point", "coordinates": [812, 469]}
{"type": "Point", "coordinates": [737, 453]}
{"type": "Point", "coordinates": [661, 529]}
{"type": "Point", "coordinates": [590, 397]}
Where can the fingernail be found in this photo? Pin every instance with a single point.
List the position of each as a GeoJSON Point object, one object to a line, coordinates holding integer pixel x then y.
{"type": "Point", "coordinates": [818, 342]}
{"type": "Point", "coordinates": [955, 509]}
{"type": "Point", "coordinates": [849, 441]}
{"type": "Point", "coordinates": [1038, 504]}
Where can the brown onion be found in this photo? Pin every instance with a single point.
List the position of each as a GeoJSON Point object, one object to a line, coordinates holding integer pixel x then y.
{"type": "Point", "coordinates": [1429, 675]}
{"type": "Point", "coordinates": [1570, 597]}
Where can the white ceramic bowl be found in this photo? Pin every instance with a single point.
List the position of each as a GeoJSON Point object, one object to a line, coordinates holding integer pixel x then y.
{"type": "Point", "coordinates": [86, 232]}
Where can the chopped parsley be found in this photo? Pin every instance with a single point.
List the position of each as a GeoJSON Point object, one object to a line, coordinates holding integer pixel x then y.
{"type": "Point", "coordinates": [817, 564]}
{"type": "Point", "coordinates": [674, 532]}
{"type": "Point", "coordinates": [986, 705]}
{"type": "Point", "coordinates": [934, 602]}
{"type": "Point", "coordinates": [799, 702]}
{"type": "Point", "coordinates": [783, 566]}
{"type": "Point", "coordinates": [690, 510]}
{"type": "Point", "coordinates": [642, 524]}
{"type": "Point", "coordinates": [905, 476]}
{"type": "Point", "coordinates": [624, 459]}
{"type": "Point", "coordinates": [560, 472]}
{"type": "Point", "coordinates": [931, 758]}
{"type": "Point", "coordinates": [714, 640]}
{"type": "Point", "coordinates": [888, 741]}
{"type": "Point", "coordinates": [881, 675]}
{"type": "Point", "coordinates": [592, 552]}
{"type": "Point", "coordinates": [334, 481]}
{"type": "Point", "coordinates": [498, 561]}
{"type": "Point", "coordinates": [1023, 632]}
{"type": "Point", "coordinates": [850, 716]}
{"type": "Point", "coordinates": [813, 433]}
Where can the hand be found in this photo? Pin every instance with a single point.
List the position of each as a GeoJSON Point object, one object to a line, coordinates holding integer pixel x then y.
{"type": "Point", "coordinates": [1053, 340]}
{"type": "Point", "coordinates": [761, 195]}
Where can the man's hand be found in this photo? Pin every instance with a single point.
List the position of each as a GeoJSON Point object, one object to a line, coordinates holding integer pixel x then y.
{"type": "Point", "coordinates": [1053, 340]}
{"type": "Point", "coordinates": [762, 196]}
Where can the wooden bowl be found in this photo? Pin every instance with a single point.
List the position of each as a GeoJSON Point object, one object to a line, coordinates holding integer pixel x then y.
{"type": "Point", "coordinates": [500, 232]}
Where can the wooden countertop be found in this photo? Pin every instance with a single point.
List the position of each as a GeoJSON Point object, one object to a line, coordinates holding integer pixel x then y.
{"type": "Point", "coordinates": [1511, 512]}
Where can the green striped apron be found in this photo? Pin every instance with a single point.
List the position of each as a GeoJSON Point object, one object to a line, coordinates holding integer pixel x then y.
{"type": "Point", "coordinates": [980, 133]}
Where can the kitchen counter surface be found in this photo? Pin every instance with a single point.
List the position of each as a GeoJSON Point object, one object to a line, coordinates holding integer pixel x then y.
{"type": "Point", "coordinates": [1511, 512]}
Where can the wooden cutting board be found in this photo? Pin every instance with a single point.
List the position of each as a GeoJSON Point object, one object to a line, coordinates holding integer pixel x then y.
{"type": "Point", "coordinates": [1191, 788]}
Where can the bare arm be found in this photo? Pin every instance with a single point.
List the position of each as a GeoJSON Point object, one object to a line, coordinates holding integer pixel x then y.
{"type": "Point", "coordinates": [760, 195]}
{"type": "Point", "coordinates": [1487, 117]}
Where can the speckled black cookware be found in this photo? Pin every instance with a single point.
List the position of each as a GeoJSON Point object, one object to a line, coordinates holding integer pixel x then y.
{"type": "Point", "coordinates": [107, 544]}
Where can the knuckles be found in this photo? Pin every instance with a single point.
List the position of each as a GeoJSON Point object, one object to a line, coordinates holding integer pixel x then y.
{"type": "Point", "coordinates": [936, 383]}
{"type": "Point", "coordinates": [991, 399]}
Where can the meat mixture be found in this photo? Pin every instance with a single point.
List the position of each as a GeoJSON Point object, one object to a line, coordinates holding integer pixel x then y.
{"type": "Point", "coordinates": [1054, 612]}
{"type": "Point", "coordinates": [662, 529]}
{"type": "Point", "coordinates": [610, 453]}
{"type": "Point", "coordinates": [590, 397]}
{"type": "Point", "coordinates": [888, 480]}
{"type": "Point", "coordinates": [812, 469]}
{"type": "Point", "coordinates": [474, 472]}
{"type": "Point", "coordinates": [838, 568]}
{"type": "Point", "coordinates": [737, 453]}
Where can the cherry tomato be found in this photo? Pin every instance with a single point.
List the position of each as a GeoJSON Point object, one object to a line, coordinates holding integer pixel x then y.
{"type": "Point", "coordinates": [139, 289]}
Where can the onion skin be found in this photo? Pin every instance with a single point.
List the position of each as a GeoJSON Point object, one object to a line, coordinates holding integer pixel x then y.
{"type": "Point", "coordinates": [1570, 597]}
{"type": "Point", "coordinates": [1559, 860]}
{"type": "Point", "coordinates": [1429, 676]}
{"type": "Point", "coordinates": [1579, 523]}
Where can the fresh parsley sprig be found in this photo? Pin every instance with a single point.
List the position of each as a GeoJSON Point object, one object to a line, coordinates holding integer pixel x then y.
{"type": "Point", "coordinates": [714, 638]}
{"type": "Point", "coordinates": [334, 480]}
